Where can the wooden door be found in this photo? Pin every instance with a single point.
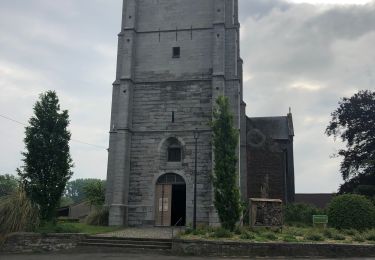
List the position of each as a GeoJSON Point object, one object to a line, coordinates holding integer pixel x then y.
{"type": "Point", "coordinates": [163, 204]}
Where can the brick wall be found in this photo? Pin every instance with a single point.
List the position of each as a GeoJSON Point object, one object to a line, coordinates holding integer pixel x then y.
{"type": "Point", "coordinates": [260, 164]}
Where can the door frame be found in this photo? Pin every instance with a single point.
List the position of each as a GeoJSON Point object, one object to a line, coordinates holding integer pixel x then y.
{"type": "Point", "coordinates": [163, 194]}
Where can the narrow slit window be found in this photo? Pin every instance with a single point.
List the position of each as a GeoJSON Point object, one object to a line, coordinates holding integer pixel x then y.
{"type": "Point", "coordinates": [176, 52]}
{"type": "Point", "coordinates": [173, 117]}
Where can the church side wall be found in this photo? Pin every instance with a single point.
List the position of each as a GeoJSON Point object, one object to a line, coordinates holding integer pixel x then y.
{"type": "Point", "coordinates": [265, 169]}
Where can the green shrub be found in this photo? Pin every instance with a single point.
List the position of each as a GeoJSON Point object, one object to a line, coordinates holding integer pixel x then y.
{"type": "Point", "coordinates": [314, 236]}
{"type": "Point", "coordinates": [350, 232]}
{"type": "Point", "coordinates": [298, 213]}
{"type": "Point", "coordinates": [245, 212]}
{"type": "Point", "coordinates": [358, 238]}
{"type": "Point", "coordinates": [294, 231]}
{"type": "Point", "coordinates": [18, 213]}
{"type": "Point", "coordinates": [221, 233]}
{"type": "Point", "coordinates": [98, 217]}
{"type": "Point", "coordinates": [351, 211]}
{"type": "Point", "coordinates": [270, 236]}
{"type": "Point", "coordinates": [338, 236]}
{"type": "Point", "coordinates": [51, 227]}
{"type": "Point", "coordinates": [247, 235]}
{"type": "Point", "coordinates": [199, 232]}
{"type": "Point", "coordinates": [240, 230]}
{"type": "Point", "coordinates": [188, 231]}
{"type": "Point", "coordinates": [289, 238]}
{"type": "Point", "coordinates": [333, 234]}
{"type": "Point", "coordinates": [370, 235]}
{"type": "Point", "coordinates": [328, 232]}
{"type": "Point", "coordinates": [67, 228]}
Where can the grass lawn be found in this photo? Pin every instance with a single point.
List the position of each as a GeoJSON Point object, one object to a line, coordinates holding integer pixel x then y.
{"type": "Point", "coordinates": [76, 228]}
{"type": "Point", "coordinates": [288, 234]}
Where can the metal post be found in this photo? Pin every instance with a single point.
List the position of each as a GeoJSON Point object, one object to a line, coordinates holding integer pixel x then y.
{"type": "Point", "coordinates": [195, 180]}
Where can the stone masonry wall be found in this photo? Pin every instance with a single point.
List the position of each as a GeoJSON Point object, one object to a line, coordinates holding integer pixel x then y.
{"type": "Point", "coordinates": [167, 14]}
{"type": "Point", "coordinates": [238, 249]}
{"type": "Point", "coordinates": [151, 84]}
{"type": "Point", "coordinates": [33, 242]}
{"type": "Point", "coordinates": [152, 124]}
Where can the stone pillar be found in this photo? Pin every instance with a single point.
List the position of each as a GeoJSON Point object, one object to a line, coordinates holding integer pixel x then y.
{"type": "Point", "coordinates": [121, 121]}
{"type": "Point", "coordinates": [243, 148]}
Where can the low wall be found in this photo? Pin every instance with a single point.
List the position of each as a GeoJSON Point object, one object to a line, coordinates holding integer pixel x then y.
{"type": "Point", "coordinates": [216, 248]}
{"type": "Point", "coordinates": [33, 242]}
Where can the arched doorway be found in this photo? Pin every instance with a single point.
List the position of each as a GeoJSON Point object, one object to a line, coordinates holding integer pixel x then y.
{"type": "Point", "coordinates": [170, 200]}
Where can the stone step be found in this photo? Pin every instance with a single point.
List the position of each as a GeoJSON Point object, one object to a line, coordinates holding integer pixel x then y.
{"type": "Point", "coordinates": [128, 241]}
{"type": "Point", "coordinates": [142, 246]}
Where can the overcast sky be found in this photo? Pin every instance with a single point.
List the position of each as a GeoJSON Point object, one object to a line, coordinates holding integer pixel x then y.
{"type": "Point", "coordinates": [297, 54]}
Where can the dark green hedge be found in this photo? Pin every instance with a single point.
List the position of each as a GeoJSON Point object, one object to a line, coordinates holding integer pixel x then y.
{"type": "Point", "coordinates": [351, 211]}
{"type": "Point", "coordinates": [299, 213]}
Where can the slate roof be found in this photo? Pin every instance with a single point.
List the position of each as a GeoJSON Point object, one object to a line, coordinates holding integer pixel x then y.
{"type": "Point", "coordinates": [320, 200]}
{"type": "Point", "coordinates": [278, 128]}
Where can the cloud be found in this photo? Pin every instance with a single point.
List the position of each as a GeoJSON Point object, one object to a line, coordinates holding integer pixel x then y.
{"type": "Point", "coordinates": [307, 57]}
{"type": "Point", "coordinates": [299, 55]}
{"type": "Point", "coordinates": [332, 2]}
{"type": "Point", "coordinates": [69, 47]}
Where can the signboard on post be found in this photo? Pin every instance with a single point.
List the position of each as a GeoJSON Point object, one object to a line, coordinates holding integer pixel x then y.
{"type": "Point", "coordinates": [266, 213]}
{"type": "Point", "coordinates": [320, 220]}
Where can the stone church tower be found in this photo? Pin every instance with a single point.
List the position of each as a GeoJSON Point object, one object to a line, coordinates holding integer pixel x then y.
{"type": "Point", "coordinates": [174, 58]}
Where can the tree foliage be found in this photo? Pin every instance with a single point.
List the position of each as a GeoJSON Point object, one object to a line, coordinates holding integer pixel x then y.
{"type": "Point", "coordinates": [47, 161]}
{"type": "Point", "coordinates": [225, 181]}
{"type": "Point", "coordinates": [75, 189]}
{"type": "Point", "coordinates": [353, 121]}
{"type": "Point", "coordinates": [95, 192]}
{"type": "Point", "coordinates": [300, 213]}
{"type": "Point", "coordinates": [8, 184]}
{"type": "Point", "coordinates": [361, 184]}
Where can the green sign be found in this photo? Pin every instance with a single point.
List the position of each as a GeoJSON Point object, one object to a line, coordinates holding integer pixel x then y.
{"type": "Point", "coordinates": [320, 219]}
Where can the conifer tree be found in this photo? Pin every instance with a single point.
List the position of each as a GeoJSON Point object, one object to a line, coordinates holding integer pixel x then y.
{"type": "Point", "coordinates": [225, 141]}
{"type": "Point", "coordinates": [47, 161]}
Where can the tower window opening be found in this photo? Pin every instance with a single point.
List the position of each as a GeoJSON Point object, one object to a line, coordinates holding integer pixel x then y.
{"type": "Point", "coordinates": [174, 154]}
{"type": "Point", "coordinates": [172, 116]}
{"type": "Point", "coordinates": [176, 52]}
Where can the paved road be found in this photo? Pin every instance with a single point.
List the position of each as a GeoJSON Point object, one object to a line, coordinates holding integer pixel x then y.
{"type": "Point", "coordinates": [112, 256]}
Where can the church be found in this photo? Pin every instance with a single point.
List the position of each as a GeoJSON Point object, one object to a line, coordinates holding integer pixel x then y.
{"type": "Point", "coordinates": [175, 57]}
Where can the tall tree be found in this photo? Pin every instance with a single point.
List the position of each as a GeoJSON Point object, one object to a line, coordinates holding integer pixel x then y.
{"type": "Point", "coordinates": [353, 121]}
{"type": "Point", "coordinates": [47, 161]}
{"type": "Point", "coordinates": [95, 192]}
{"type": "Point", "coordinates": [8, 184]}
{"type": "Point", "coordinates": [225, 181]}
{"type": "Point", "coordinates": [75, 189]}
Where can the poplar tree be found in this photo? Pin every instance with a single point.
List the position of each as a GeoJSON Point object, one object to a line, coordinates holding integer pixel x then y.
{"type": "Point", "coordinates": [47, 161]}
{"type": "Point", "coordinates": [225, 143]}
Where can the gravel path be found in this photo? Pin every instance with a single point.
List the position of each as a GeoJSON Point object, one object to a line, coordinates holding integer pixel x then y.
{"type": "Point", "coordinates": [153, 232]}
